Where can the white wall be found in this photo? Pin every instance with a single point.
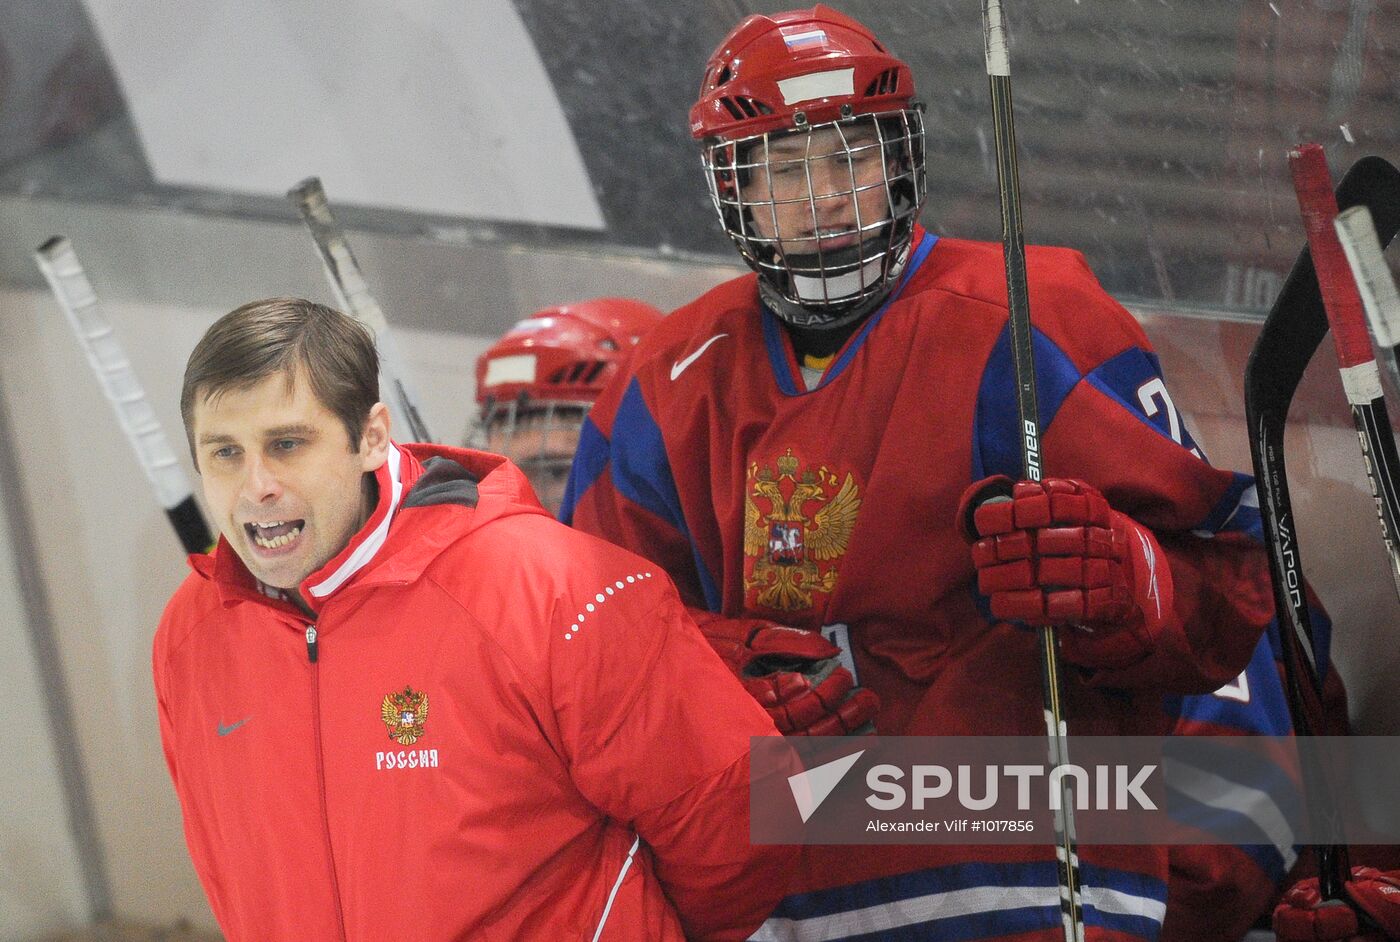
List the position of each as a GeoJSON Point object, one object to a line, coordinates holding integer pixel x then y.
{"type": "Point", "coordinates": [250, 97]}
{"type": "Point", "coordinates": [41, 881]}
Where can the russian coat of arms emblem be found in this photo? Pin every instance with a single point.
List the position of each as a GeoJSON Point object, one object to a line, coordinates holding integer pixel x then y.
{"type": "Point", "coordinates": [405, 713]}
{"type": "Point", "coordinates": [797, 525]}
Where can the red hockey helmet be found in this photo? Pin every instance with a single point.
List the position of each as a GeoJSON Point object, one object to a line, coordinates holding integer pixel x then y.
{"type": "Point", "coordinates": [820, 75]}
{"type": "Point", "coordinates": [565, 353]}
{"type": "Point", "coordinates": [782, 71]}
{"type": "Point", "coordinates": [536, 384]}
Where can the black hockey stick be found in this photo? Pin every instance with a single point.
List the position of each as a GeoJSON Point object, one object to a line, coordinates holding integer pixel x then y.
{"type": "Point", "coordinates": [343, 274]}
{"type": "Point", "coordinates": [1019, 323]}
{"type": "Point", "coordinates": [109, 363]}
{"type": "Point", "coordinates": [1290, 336]}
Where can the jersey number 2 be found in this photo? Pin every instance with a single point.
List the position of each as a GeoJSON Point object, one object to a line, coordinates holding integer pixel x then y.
{"type": "Point", "coordinates": [1154, 398]}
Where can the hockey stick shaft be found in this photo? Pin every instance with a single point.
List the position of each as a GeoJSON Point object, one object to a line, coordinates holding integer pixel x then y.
{"type": "Point", "coordinates": [1357, 233]}
{"type": "Point", "coordinates": [69, 283]}
{"type": "Point", "coordinates": [348, 284]}
{"type": "Point", "coordinates": [1019, 323]}
{"type": "Point", "coordinates": [1291, 333]}
{"type": "Point", "coordinates": [1345, 314]}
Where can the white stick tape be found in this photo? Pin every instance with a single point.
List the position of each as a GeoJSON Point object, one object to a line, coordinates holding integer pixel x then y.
{"type": "Point", "coordinates": [994, 37]}
{"type": "Point", "coordinates": [1357, 233]}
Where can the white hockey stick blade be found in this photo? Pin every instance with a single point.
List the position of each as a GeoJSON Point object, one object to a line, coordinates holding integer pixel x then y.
{"type": "Point", "coordinates": [110, 365]}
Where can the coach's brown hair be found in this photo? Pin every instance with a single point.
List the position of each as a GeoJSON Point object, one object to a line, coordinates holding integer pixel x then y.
{"type": "Point", "coordinates": [276, 335]}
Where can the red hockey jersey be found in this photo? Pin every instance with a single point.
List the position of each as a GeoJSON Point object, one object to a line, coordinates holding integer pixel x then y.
{"type": "Point", "coordinates": [836, 505]}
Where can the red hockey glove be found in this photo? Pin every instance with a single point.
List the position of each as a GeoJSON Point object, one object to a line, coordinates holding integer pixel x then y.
{"type": "Point", "coordinates": [1303, 916]}
{"type": "Point", "coordinates": [795, 675]}
{"type": "Point", "coordinates": [1055, 553]}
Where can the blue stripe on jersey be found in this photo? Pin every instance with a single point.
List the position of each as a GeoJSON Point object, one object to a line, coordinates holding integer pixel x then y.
{"type": "Point", "coordinates": [996, 431]}
{"type": "Point", "coordinates": [773, 338]}
{"type": "Point", "coordinates": [777, 356]}
{"type": "Point", "coordinates": [967, 902]}
{"type": "Point", "coordinates": [1246, 518]}
{"type": "Point", "coordinates": [917, 883]}
{"type": "Point", "coordinates": [992, 924]}
{"type": "Point", "coordinates": [1256, 706]}
{"type": "Point", "coordinates": [590, 460]}
{"type": "Point", "coordinates": [1145, 895]}
{"type": "Point", "coordinates": [1237, 511]}
{"type": "Point", "coordinates": [1273, 860]}
{"type": "Point", "coordinates": [1321, 639]}
{"type": "Point", "coordinates": [1134, 379]}
{"type": "Point", "coordinates": [844, 360]}
{"type": "Point", "coordinates": [641, 472]}
{"type": "Point", "coordinates": [1237, 775]}
{"type": "Point", "coordinates": [1269, 861]}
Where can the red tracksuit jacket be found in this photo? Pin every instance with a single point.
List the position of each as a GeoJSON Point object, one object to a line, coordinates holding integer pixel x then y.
{"type": "Point", "coordinates": [511, 730]}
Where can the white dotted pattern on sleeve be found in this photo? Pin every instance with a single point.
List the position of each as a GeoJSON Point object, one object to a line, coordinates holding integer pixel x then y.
{"type": "Point", "coordinates": [599, 599]}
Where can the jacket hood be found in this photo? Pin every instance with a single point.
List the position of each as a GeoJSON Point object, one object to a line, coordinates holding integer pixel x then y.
{"type": "Point", "coordinates": [428, 497]}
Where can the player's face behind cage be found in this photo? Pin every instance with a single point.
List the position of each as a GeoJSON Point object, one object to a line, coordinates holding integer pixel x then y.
{"type": "Point", "coordinates": [824, 213]}
{"type": "Point", "coordinates": [538, 436]}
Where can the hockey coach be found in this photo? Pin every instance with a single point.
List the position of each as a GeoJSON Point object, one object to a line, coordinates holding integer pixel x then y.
{"type": "Point", "coordinates": [399, 701]}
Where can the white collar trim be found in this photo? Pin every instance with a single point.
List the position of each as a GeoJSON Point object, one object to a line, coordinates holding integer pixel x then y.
{"type": "Point", "coordinates": [371, 543]}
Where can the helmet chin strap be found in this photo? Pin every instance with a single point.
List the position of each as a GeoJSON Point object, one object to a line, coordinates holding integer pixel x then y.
{"type": "Point", "coordinates": [832, 288]}
{"type": "Point", "coordinates": [820, 307]}
{"type": "Point", "coordinates": [826, 317]}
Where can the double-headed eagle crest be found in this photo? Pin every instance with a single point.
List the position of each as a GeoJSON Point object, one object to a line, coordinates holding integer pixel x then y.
{"type": "Point", "coordinates": [405, 713]}
{"type": "Point", "coordinates": [790, 554]}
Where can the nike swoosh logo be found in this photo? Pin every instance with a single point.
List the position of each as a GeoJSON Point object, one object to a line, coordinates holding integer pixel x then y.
{"type": "Point", "coordinates": [225, 730]}
{"type": "Point", "coordinates": [680, 366]}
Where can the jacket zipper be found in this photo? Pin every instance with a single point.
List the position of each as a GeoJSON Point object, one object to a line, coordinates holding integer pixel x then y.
{"type": "Point", "coordinates": [311, 652]}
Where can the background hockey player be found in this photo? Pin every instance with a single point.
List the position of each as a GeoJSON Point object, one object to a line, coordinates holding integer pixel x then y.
{"type": "Point", "coordinates": [798, 448]}
{"type": "Point", "coordinates": [537, 382]}
{"type": "Point", "coordinates": [399, 701]}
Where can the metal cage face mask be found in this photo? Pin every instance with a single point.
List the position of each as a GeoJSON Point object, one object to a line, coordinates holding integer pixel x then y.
{"type": "Point", "coordinates": [538, 436]}
{"type": "Point", "coordinates": [825, 214]}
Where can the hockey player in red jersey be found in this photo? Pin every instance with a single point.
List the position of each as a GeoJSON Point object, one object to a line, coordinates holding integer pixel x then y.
{"type": "Point", "coordinates": [794, 447]}
{"type": "Point", "coordinates": [537, 382]}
